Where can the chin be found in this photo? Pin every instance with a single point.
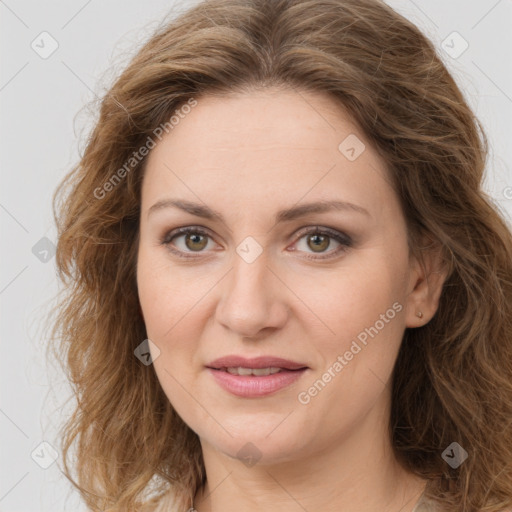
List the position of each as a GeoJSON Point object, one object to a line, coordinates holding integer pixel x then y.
{"type": "Point", "coordinates": [262, 439]}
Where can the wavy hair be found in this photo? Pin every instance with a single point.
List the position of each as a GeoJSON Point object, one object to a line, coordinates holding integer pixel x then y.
{"type": "Point", "coordinates": [124, 447]}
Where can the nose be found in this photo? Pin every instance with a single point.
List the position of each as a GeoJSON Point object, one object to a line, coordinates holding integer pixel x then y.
{"type": "Point", "coordinates": [253, 298]}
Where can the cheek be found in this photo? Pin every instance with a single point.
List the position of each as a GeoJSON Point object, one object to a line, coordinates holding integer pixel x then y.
{"type": "Point", "coordinates": [353, 297]}
{"type": "Point", "coordinates": [164, 295]}
{"type": "Point", "coordinates": [173, 304]}
{"type": "Point", "coordinates": [169, 320]}
{"type": "Point", "coordinates": [363, 306]}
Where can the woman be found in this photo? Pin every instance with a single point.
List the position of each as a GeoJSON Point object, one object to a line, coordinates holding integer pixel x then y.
{"type": "Point", "coordinates": [287, 289]}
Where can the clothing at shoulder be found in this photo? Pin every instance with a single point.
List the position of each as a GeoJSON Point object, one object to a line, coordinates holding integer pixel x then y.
{"type": "Point", "coordinates": [167, 503]}
{"type": "Point", "coordinates": [425, 505]}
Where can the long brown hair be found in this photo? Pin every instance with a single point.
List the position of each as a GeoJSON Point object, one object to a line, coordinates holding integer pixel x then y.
{"type": "Point", "coordinates": [453, 377]}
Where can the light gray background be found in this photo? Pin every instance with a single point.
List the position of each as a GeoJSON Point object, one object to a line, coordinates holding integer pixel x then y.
{"type": "Point", "coordinates": [40, 130]}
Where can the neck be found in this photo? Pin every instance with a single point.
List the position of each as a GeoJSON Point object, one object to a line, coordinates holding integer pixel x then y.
{"type": "Point", "coordinates": [355, 473]}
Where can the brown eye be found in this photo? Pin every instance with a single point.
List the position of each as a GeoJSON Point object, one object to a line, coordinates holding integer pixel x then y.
{"type": "Point", "coordinates": [326, 242]}
{"type": "Point", "coordinates": [187, 240]}
{"type": "Point", "coordinates": [195, 241]}
{"type": "Point", "coordinates": [318, 242]}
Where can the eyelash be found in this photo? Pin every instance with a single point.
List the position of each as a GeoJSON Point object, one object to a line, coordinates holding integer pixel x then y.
{"type": "Point", "coordinates": [344, 240]}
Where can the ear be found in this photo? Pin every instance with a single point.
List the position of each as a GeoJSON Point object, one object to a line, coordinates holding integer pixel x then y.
{"type": "Point", "coordinates": [428, 272]}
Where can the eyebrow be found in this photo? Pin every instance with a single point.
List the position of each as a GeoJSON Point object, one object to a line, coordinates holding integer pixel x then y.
{"type": "Point", "coordinates": [287, 214]}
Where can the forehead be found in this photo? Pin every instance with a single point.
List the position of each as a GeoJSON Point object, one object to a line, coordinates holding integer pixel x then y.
{"type": "Point", "coordinates": [249, 146]}
{"type": "Point", "coordinates": [303, 120]}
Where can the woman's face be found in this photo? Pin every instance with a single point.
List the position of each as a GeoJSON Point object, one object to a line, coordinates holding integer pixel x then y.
{"type": "Point", "coordinates": [319, 295]}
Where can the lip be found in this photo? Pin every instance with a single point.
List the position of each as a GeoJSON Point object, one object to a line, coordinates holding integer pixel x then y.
{"type": "Point", "coordinates": [255, 362]}
{"type": "Point", "coordinates": [251, 386]}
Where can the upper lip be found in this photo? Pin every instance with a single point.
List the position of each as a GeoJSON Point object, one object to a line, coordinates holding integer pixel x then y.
{"type": "Point", "coordinates": [255, 362]}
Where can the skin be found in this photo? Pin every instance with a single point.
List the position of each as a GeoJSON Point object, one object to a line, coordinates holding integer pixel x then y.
{"type": "Point", "coordinates": [247, 156]}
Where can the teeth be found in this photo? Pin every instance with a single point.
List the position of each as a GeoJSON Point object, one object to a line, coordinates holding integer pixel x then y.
{"type": "Point", "coordinates": [253, 371]}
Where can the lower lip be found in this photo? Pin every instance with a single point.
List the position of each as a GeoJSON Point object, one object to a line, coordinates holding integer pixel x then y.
{"type": "Point", "coordinates": [251, 386]}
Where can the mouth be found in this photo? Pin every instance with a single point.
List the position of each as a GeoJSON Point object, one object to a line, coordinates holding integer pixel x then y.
{"type": "Point", "coordinates": [270, 363]}
{"type": "Point", "coordinates": [257, 377]}
{"type": "Point", "coordinates": [257, 372]}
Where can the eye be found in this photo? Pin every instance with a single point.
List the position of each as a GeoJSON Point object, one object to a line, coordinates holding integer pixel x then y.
{"type": "Point", "coordinates": [318, 240]}
{"type": "Point", "coordinates": [193, 239]}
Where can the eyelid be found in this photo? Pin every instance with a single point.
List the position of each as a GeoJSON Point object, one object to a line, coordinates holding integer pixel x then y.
{"type": "Point", "coordinates": [168, 236]}
{"type": "Point", "coordinates": [333, 233]}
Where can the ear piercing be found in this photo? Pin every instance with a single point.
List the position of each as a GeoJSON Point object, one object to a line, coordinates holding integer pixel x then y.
{"type": "Point", "coordinates": [419, 314]}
